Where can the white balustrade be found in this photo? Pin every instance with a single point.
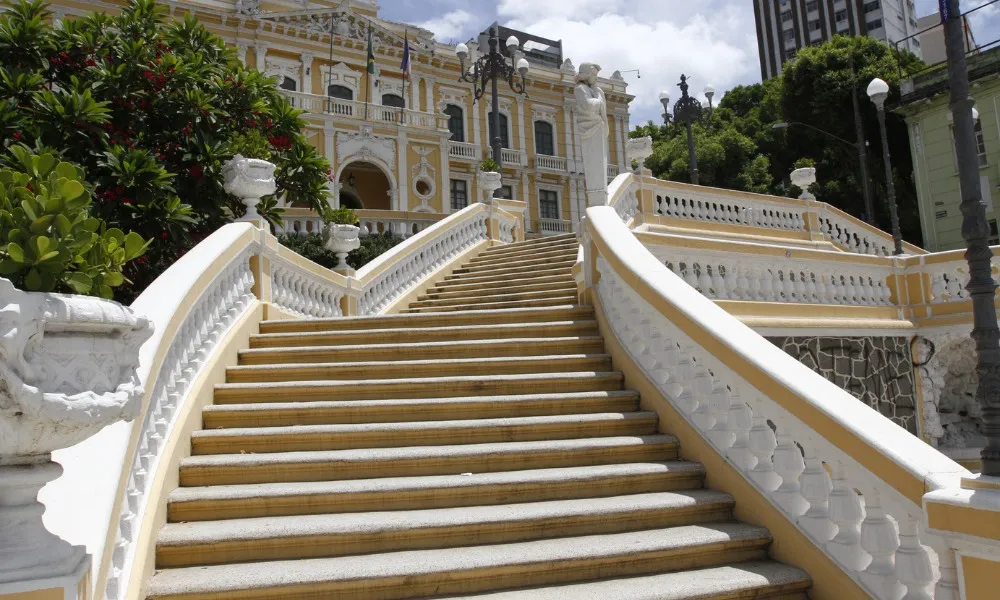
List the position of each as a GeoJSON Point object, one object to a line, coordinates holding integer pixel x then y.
{"type": "Point", "coordinates": [735, 275]}
{"type": "Point", "coordinates": [623, 197]}
{"type": "Point", "coordinates": [948, 281]}
{"type": "Point", "coordinates": [358, 110]}
{"type": "Point", "coordinates": [834, 490]}
{"type": "Point", "coordinates": [554, 226]}
{"type": "Point", "coordinates": [303, 294]}
{"type": "Point", "coordinates": [550, 163]}
{"type": "Point", "coordinates": [300, 224]}
{"type": "Point", "coordinates": [403, 226]}
{"type": "Point", "coordinates": [852, 236]}
{"type": "Point", "coordinates": [612, 172]}
{"type": "Point", "coordinates": [511, 157]}
{"type": "Point", "coordinates": [464, 151]}
{"type": "Point", "coordinates": [703, 204]}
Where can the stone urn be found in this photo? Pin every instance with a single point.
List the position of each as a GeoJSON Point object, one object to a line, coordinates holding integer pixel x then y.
{"type": "Point", "coordinates": [341, 239]}
{"type": "Point", "coordinates": [489, 183]}
{"type": "Point", "coordinates": [639, 149]}
{"type": "Point", "coordinates": [803, 178]}
{"type": "Point", "coordinates": [249, 179]}
{"type": "Point", "coordinates": [67, 370]}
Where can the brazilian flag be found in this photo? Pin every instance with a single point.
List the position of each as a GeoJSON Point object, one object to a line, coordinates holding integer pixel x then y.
{"type": "Point", "coordinates": [371, 51]}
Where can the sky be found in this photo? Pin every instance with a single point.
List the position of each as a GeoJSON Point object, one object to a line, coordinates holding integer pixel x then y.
{"type": "Point", "coordinates": [712, 41]}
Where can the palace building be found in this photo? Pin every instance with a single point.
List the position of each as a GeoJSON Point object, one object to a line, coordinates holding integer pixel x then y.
{"type": "Point", "coordinates": [414, 145]}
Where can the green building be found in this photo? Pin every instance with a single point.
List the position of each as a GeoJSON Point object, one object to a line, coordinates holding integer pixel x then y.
{"type": "Point", "coordinates": [924, 105]}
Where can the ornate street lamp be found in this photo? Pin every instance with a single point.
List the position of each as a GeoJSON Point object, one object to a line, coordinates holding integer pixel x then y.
{"type": "Point", "coordinates": [878, 91]}
{"type": "Point", "coordinates": [488, 69]}
{"type": "Point", "coordinates": [688, 110]}
{"type": "Point", "coordinates": [975, 230]}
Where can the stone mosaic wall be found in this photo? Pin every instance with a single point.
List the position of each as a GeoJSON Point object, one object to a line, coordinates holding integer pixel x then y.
{"type": "Point", "coordinates": [876, 370]}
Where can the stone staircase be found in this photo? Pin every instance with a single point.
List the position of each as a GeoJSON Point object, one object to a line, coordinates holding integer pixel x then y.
{"type": "Point", "coordinates": [481, 444]}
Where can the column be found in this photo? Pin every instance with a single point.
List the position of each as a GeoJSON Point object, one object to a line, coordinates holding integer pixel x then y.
{"type": "Point", "coordinates": [429, 95]}
{"type": "Point", "coordinates": [526, 196]}
{"type": "Point", "coordinates": [624, 121]}
{"type": "Point", "coordinates": [572, 199]}
{"type": "Point", "coordinates": [414, 84]}
{"type": "Point", "coordinates": [476, 112]}
{"type": "Point", "coordinates": [307, 84]}
{"type": "Point", "coordinates": [445, 186]}
{"type": "Point", "coordinates": [619, 144]}
{"type": "Point", "coordinates": [260, 52]}
{"type": "Point", "coordinates": [402, 198]}
{"type": "Point", "coordinates": [577, 150]}
{"type": "Point", "coordinates": [328, 134]}
{"type": "Point", "coordinates": [570, 162]}
{"type": "Point", "coordinates": [521, 137]}
{"type": "Point", "coordinates": [241, 52]}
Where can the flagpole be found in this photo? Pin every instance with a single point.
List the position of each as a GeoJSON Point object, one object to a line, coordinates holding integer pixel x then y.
{"type": "Point", "coordinates": [368, 70]}
{"type": "Point", "coordinates": [329, 70]}
{"type": "Point", "coordinates": [405, 45]}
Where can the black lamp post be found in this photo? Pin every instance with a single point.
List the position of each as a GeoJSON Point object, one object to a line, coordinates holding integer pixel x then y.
{"type": "Point", "coordinates": [975, 229]}
{"type": "Point", "coordinates": [878, 91]}
{"type": "Point", "coordinates": [487, 70]}
{"type": "Point", "coordinates": [688, 110]}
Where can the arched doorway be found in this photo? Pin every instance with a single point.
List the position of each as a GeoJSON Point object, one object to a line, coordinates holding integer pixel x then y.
{"type": "Point", "coordinates": [365, 185]}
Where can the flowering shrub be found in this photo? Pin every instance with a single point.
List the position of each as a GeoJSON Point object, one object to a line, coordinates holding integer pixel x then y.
{"type": "Point", "coordinates": [150, 109]}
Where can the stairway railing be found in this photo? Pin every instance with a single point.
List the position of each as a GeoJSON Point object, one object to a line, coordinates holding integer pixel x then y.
{"type": "Point", "coordinates": [200, 306]}
{"type": "Point", "coordinates": [843, 474]}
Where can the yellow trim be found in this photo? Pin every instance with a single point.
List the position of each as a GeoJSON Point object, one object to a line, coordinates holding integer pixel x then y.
{"type": "Point", "coordinates": [980, 577]}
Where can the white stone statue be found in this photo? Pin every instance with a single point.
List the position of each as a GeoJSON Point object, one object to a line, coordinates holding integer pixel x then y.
{"type": "Point", "coordinates": [592, 125]}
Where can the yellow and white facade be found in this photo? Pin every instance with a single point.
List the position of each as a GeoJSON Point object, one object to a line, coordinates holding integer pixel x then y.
{"type": "Point", "coordinates": [422, 158]}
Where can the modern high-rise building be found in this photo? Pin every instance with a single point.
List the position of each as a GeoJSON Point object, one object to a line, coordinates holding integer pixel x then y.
{"type": "Point", "coordinates": [785, 26]}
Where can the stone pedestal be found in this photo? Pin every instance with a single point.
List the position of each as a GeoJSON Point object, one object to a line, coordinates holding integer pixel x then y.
{"type": "Point", "coordinates": [68, 364]}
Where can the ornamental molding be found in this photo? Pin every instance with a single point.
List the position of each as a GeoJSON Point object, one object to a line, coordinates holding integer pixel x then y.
{"type": "Point", "coordinates": [365, 144]}
{"type": "Point", "coordinates": [454, 95]}
{"type": "Point", "coordinates": [544, 113]}
{"type": "Point", "coordinates": [423, 171]}
{"type": "Point", "coordinates": [341, 74]}
{"type": "Point", "coordinates": [286, 67]}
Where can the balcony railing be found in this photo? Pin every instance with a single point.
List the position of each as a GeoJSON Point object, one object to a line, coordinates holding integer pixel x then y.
{"type": "Point", "coordinates": [612, 172]}
{"type": "Point", "coordinates": [511, 157]}
{"type": "Point", "coordinates": [464, 151]}
{"type": "Point", "coordinates": [356, 110]}
{"type": "Point", "coordinates": [551, 226]}
{"type": "Point", "coordinates": [550, 163]}
{"type": "Point", "coordinates": [303, 221]}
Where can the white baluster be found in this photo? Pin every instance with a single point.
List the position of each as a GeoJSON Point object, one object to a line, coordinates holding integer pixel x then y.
{"type": "Point", "coordinates": [702, 386]}
{"type": "Point", "coordinates": [913, 565]}
{"type": "Point", "coordinates": [739, 423]}
{"type": "Point", "coordinates": [816, 488]}
{"type": "Point", "coordinates": [878, 538]}
{"type": "Point", "coordinates": [718, 408]}
{"type": "Point", "coordinates": [762, 445]}
{"type": "Point", "coordinates": [788, 464]}
{"type": "Point", "coordinates": [847, 513]}
{"type": "Point", "coordinates": [947, 587]}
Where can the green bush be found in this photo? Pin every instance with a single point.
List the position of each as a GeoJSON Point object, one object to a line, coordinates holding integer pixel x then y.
{"type": "Point", "coordinates": [804, 163]}
{"type": "Point", "coordinates": [48, 240]}
{"type": "Point", "coordinates": [341, 216]}
{"type": "Point", "coordinates": [489, 164]}
{"type": "Point", "coordinates": [311, 247]}
{"type": "Point", "coordinates": [150, 108]}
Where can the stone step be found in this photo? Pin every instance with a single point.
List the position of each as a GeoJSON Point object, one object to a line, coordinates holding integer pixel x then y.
{"type": "Point", "coordinates": [500, 295]}
{"type": "Point", "coordinates": [396, 369]}
{"type": "Point", "coordinates": [563, 283]}
{"type": "Point", "coordinates": [436, 491]}
{"type": "Point", "coordinates": [277, 414]}
{"type": "Point", "coordinates": [514, 281]}
{"type": "Point", "coordinates": [227, 469]}
{"type": "Point", "coordinates": [521, 276]}
{"type": "Point", "coordinates": [404, 335]}
{"type": "Point", "coordinates": [520, 315]}
{"type": "Point", "coordinates": [515, 268]}
{"type": "Point", "coordinates": [479, 297]}
{"type": "Point", "coordinates": [428, 387]}
{"type": "Point", "coordinates": [526, 261]}
{"type": "Point", "coordinates": [532, 245]}
{"type": "Point", "coordinates": [425, 350]}
{"type": "Point", "coordinates": [424, 307]}
{"type": "Point", "coordinates": [464, 570]}
{"type": "Point", "coordinates": [753, 580]}
{"type": "Point", "coordinates": [556, 252]}
{"type": "Point", "coordinates": [327, 535]}
{"type": "Point", "coordinates": [306, 438]}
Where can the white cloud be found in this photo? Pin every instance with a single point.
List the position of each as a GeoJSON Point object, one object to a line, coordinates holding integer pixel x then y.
{"type": "Point", "coordinates": [711, 41]}
{"type": "Point", "coordinates": [453, 25]}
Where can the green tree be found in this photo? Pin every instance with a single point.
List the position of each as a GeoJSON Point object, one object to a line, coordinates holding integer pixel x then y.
{"type": "Point", "coordinates": [150, 108]}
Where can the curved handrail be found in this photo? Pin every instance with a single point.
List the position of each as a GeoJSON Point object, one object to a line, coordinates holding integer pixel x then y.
{"type": "Point", "coordinates": [752, 401]}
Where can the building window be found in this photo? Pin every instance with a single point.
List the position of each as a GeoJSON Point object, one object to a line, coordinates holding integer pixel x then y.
{"type": "Point", "coordinates": [812, 5]}
{"type": "Point", "coordinates": [873, 25]}
{"type": "Point", "coordinates": [288, 84]}
{"type": "Point", "coordinates": [994, 236]}
{"type": "Point", "coordinates": [459, 194]}
{"type": "Point", "coordinates": [548, 204]}
{"type": "Point", "coordinates": [980, 144]}
{"type": "Point", "coordinates": [790, 54]}
{"type": "Point", "coordinates": [506, 192]}
{"type": "Point", "coordinates": [394, 100]}
{"type": "Point", "coordinates": [340, 91]}
{"type": "Point", "coordinates": [544, 143]}
{"type": "Point", "coordinates": [840, 16]}
{"type": "Point", "coordinates": [456, 122]}
{"type": "Point", "coordinates": [814, 26]}
{"type": "Point", "coordinates": [504, 141]}
{"type": "Point", "coordinates": [786, 16]}
{"type": "Point", "coordinates": [871, 6]}
{"type": "Point", "coordinates": [789, 35]}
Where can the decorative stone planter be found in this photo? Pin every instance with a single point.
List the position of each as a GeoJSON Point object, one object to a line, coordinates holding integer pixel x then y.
{"type": "Point", "coordinates": [803, 178]}
{"type": "Point", "coordinates": [341, 239]}
{"type": "Point", "coordinates": [249, 179]}
{"type": "Point", "coordinates": [68, 366]}
{"type": "Point", "coordinates": [639, 149]}
{"type": "Point", "coordinates": [489, 183]}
